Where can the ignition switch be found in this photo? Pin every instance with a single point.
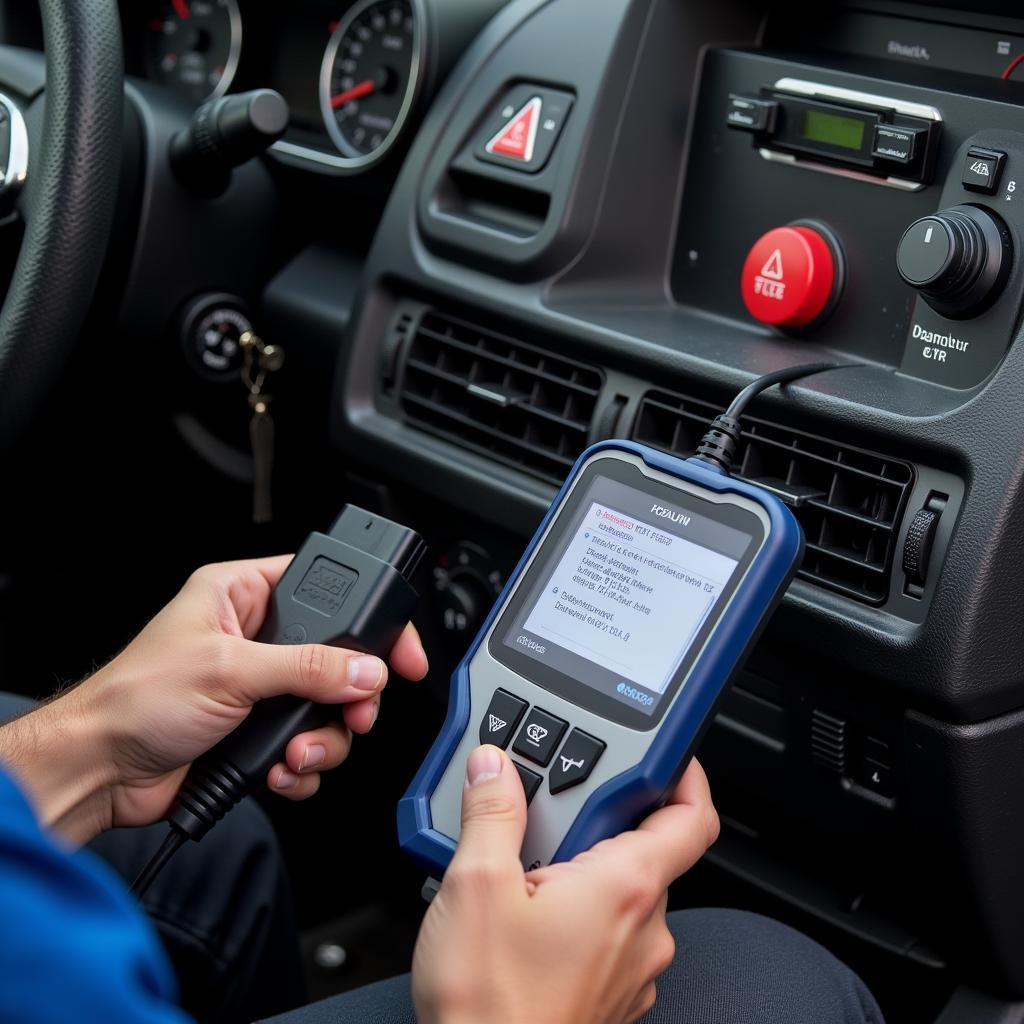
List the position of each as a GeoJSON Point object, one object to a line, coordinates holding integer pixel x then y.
{"type": "Point", "coordinates": [211, 329]}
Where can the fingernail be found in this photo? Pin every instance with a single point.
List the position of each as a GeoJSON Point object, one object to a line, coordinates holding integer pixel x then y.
{"type": "Point", "coordinates": [483, 764]}
{"type": "Point", "coordinates": [365, 672]}
{"type": "Point", "coordinates": [376, 712]}
{"type": "Point", "coordinates": [315, 754]}
{"type": "Point", "coordinates": [287, 780]}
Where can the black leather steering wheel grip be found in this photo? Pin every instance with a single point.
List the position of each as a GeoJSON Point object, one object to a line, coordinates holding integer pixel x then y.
{"type": "Point", "coordinates": [69, 204]}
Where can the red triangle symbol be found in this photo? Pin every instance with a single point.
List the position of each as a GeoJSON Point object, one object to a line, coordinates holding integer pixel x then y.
{"type": "Point", "coordinates": [517, 138]}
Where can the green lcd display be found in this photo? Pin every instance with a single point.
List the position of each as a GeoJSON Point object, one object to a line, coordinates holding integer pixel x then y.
{"type": "Point", "coordinates": [833, 129]}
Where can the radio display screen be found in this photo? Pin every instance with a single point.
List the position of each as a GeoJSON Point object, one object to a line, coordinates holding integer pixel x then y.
{"type": "Point", "coordinates": [833, 129]}
{"type": "Point", "coordinates": [618, 605]}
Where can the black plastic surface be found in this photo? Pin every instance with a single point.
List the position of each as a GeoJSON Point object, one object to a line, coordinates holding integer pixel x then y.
{"type": "Point", "coordinates": [613, 33]}
{"type": "Point", "coordinates": [204, 245]}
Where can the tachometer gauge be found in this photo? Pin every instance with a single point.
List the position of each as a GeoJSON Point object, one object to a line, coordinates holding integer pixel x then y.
{"type": "Point", "coordinates": [370, 77]}
{"type": "Point", "coordinates": [193, 46]}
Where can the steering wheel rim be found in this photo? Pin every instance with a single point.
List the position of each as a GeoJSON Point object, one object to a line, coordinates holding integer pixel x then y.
{"type": "Point", "coordinates": [68, 204]}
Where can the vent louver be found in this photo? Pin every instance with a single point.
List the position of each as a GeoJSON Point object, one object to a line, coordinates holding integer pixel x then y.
{"type": "Point", "coordinates": [498, 395]}
{"type": "Point", "coordinates": [828, 741]}
{"type": "Point", "coordinates": [848, 501]}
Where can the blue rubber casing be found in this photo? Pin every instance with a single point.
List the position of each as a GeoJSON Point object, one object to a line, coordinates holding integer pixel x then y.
{"type": "Point", "coordinates": [622, 801]}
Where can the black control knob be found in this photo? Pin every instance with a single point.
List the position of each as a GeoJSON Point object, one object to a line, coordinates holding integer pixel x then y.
{"type": "Point", "coordinates": [958, 259]}
{"type": "Point", "coordinates": [467, 581]}
{"type": "Point", "coordinates": [225, 133]}
{"type": "Point", "coordinates": [463, 607]}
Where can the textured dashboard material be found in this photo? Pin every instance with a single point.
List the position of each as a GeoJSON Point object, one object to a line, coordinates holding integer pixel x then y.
{"type": "Point", "coordinates": [68, 203]}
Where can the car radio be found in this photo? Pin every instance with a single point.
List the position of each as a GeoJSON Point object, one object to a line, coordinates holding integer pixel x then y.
{"type": "Point", "coordinates": [890, 138]}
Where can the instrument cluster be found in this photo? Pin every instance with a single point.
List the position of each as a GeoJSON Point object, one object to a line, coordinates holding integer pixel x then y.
{"type": "Point", "coordinates": [350, 71]}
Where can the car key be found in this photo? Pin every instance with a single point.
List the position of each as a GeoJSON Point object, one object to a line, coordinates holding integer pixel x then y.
{"type": "Point", "coordinates": [261, 360]}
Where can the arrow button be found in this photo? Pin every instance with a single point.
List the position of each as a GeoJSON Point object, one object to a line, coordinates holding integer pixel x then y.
{"type": "Point", "coordinates": [575, 761]}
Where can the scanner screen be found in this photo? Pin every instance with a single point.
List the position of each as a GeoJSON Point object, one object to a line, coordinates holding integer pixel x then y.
{"type": "Point", "coordinates": [629, 595]}
{"type": "Point", "coordinates": [618, 602]}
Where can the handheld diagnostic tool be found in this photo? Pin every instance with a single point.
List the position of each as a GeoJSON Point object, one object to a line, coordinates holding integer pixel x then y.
{"type": "Point", "coordinates": [599, 667]}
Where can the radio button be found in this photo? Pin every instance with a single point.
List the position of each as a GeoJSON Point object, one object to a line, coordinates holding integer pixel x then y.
{"type": "Point", "coordinates": [789, 277]}
{"type": "Point", "coordinates": [575, 761]}
{"type": "Point", "coordinates": [982, 170]}
{"type": "Point", "coordinates": [501, 718]}
{"type": "Point", "coordinates": [539, 737]}
{"type": "Point", "coordinates": [895, 143]}
{"type": "Point", "coordinates": [751, 114]}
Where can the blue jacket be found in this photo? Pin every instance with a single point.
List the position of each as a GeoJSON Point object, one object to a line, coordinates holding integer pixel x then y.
{"type": "Point", "coordinates": [74, 947]}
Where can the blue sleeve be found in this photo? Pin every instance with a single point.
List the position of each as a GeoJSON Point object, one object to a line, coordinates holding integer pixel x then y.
{"type": "Point", "coordinates": [73, 945]}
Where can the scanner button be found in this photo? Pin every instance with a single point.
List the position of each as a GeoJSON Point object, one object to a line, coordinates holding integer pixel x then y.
{"type": "Point", "coordinates": [531, 781]}
{"type": "Point", "coordinates": [576, 761]}
{"type": "Point", "coordinates": [540, 736]}
{"type": "Point", "coordinates": [501, 718]}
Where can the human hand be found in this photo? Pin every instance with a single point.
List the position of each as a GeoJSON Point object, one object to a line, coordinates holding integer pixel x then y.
{"type": "Point", "coordinates": [126, 736]}
{"type": "Point", "coordinates": [578, 941]}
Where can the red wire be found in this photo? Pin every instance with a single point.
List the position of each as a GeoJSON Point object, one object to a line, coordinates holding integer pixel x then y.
{"type": "Point", "coordinates": [1009, 67]}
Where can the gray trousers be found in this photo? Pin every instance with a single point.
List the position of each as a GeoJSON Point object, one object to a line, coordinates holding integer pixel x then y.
{"type": "Point", "coordinates": [731, 967]}
{"type": "Point", "coordinates": [224, 913]}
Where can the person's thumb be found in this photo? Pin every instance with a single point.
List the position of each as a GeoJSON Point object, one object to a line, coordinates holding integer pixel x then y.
{"type": "Point", "coordinates": [493, 813]}
{"type": "Point", "coordinates": [326, 675]}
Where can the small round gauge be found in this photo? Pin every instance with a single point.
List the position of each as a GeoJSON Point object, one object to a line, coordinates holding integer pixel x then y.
{"type": "Point", "coordinates": [370, 77]}
{"type": "Point", "coordinates": [193, 46]}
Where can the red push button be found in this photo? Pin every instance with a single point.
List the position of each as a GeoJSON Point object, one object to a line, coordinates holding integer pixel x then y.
{"type": "Point", "coordinates": [788, 277]}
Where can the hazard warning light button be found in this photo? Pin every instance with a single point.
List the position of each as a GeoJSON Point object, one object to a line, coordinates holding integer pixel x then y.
{"type": "Point", "coordinates": [522, 130]}
{"type": "Point", "coordinates": [790, 277]}
{"type": "Point", "coordinates": [518, 138]}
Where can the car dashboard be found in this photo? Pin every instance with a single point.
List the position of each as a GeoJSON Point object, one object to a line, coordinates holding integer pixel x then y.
{"type": "Point", "coordinates": [494, 233]}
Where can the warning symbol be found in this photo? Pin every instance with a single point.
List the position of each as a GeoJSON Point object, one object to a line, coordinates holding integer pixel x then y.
{"type": "Point", "coordinates": [519, 137]}
{"type": "Point", "coordinates": [773, 266]}
{"type": "Point", "coordinates": [495, 724]}
{"type": "Point", "coordinates": [769, 282]}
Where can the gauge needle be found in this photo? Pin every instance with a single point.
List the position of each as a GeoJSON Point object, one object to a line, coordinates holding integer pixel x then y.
{"type": "Point", "coordinates": [1012, 66]}
{"type": "Point", "coordinates": [181, 8]}
{"type": "Point", "coordinates": [357, 92]}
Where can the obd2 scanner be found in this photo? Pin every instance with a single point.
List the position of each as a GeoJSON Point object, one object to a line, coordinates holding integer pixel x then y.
{"type": "Point", "coordinates": [602, 662]}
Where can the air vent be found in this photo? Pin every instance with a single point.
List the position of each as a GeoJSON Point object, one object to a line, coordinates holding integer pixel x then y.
{"type": "Point", "coordinates": [828, 741]}
{"type": "Point", "coordinates": [500, 396]}
{"type": "Point", "coordinates": [849, 502]}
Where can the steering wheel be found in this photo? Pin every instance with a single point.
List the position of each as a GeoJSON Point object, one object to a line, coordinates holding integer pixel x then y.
{"type": "Point", "coordinates": [68, 201]}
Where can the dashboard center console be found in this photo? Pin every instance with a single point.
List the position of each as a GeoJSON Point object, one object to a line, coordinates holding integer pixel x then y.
{"type": "Point", "coordinates": [787, 147]}
{"type": "Point", "coordinates": [608, 239]}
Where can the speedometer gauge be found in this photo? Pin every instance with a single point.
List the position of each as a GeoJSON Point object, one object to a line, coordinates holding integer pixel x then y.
{"type": "Point", "coordinates": [369, 78]}
{"type": "Point", "coordinates": [193, 46]}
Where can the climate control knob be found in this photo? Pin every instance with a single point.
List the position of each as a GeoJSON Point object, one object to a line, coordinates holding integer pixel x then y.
{"type": "Point", "coordinates": [958, 259]}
